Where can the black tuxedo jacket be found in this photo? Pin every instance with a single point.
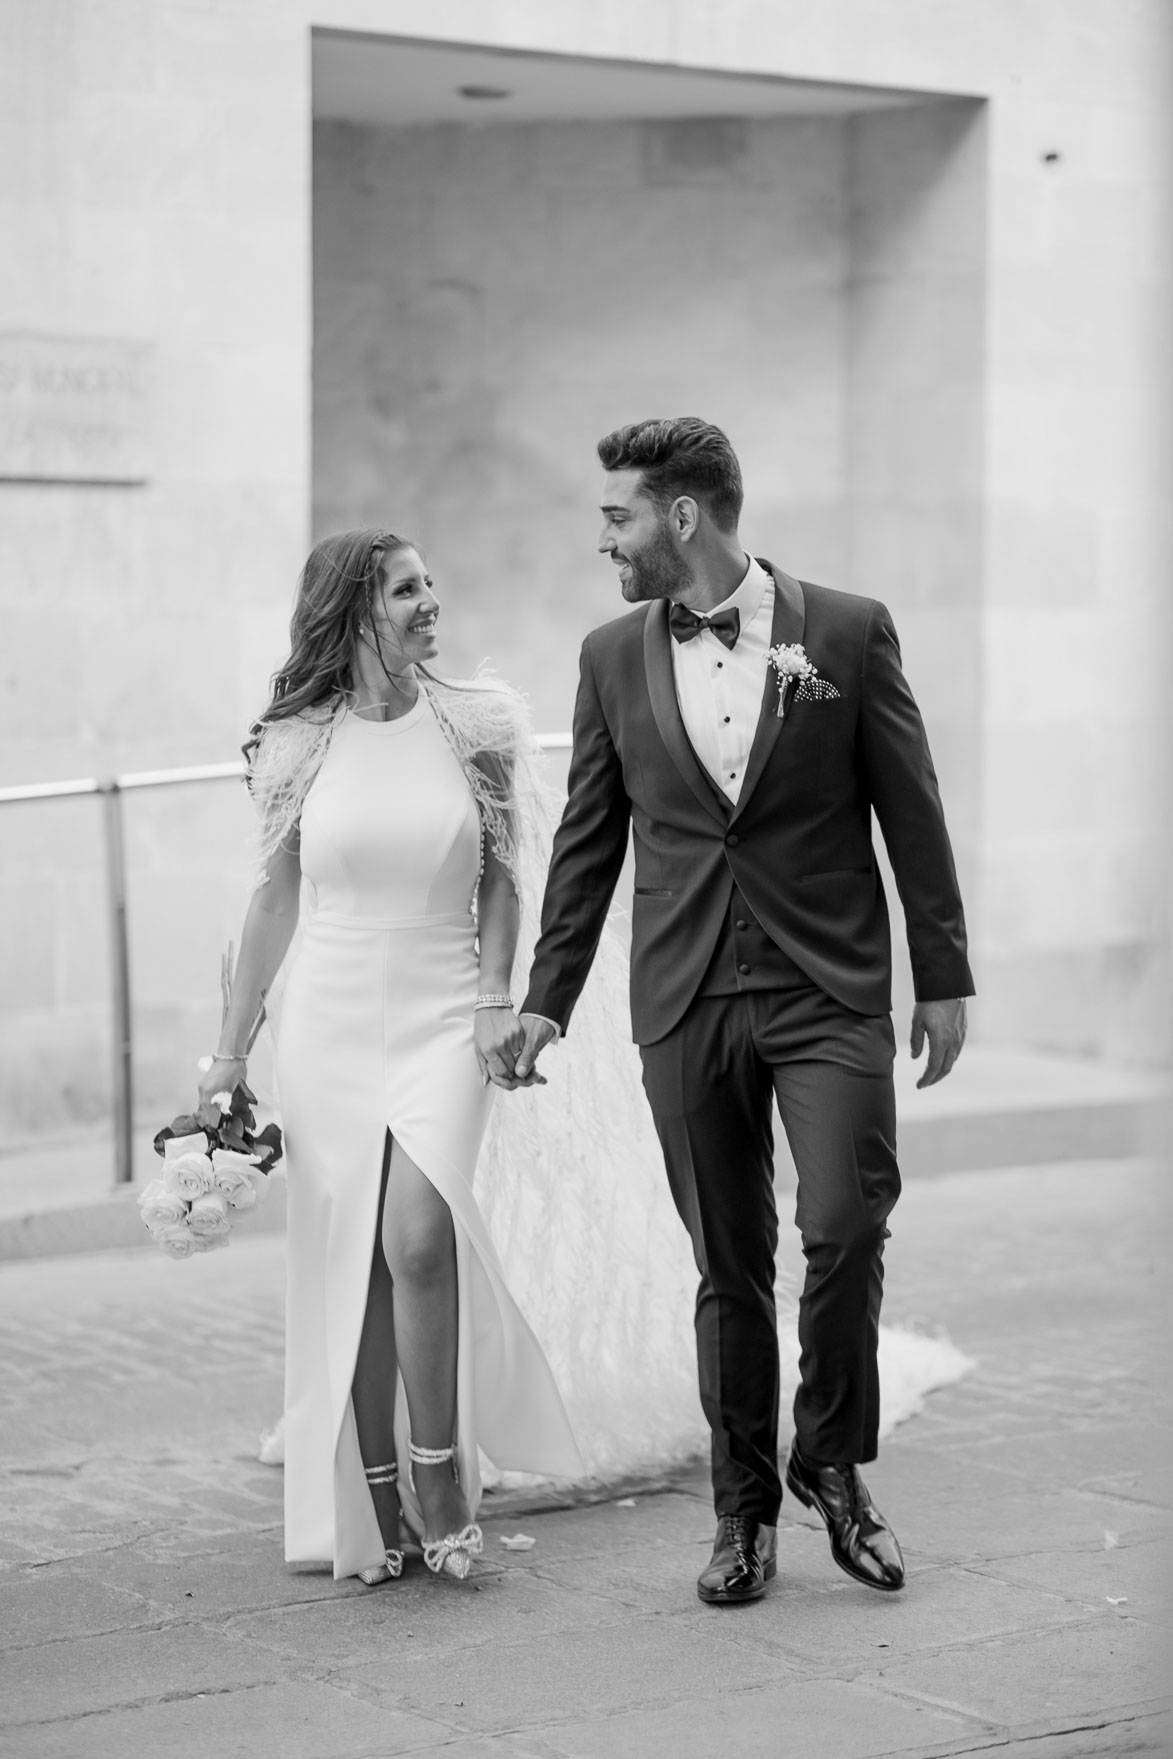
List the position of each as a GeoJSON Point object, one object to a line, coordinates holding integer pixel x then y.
{"type": "Point", "coordinates": [798, 843]}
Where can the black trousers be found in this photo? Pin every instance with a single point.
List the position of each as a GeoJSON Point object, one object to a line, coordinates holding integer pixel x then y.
{"type": "Point", "coordinates": [711, 1083]}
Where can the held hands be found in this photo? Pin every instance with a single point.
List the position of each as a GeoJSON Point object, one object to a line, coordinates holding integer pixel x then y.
{"type": "Point", "coordinates": [535, 1034]}
{"type": "Point", "coordinates": [943, 1024]}
{"type": "Point", "coordinates": [499, 1038]}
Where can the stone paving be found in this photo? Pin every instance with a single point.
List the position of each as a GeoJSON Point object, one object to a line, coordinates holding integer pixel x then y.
{"type": "Point", "coordinates": [145, 1609]}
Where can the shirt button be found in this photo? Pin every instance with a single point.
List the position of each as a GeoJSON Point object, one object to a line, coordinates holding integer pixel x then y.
{"type": "Point", "coordinates": [731, 839]}
{"type": "Point", "coordinates": [720, 664]}
{"type": "Point", "coordinates": [726, 720]}
{"type": "Point", "coordinates": [744, 969]}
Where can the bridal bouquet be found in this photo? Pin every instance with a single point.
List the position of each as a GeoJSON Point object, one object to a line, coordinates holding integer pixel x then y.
{"type": "Point", "coordinates": [209, 1174]}
{"type": "Point", "coordinates": [212, 1171]}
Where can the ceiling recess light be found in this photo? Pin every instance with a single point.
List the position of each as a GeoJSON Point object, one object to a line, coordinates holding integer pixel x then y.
{"type": "Point", "coordinates": [481, 93]}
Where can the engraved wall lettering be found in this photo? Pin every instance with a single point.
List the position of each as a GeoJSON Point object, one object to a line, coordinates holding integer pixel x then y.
{"type": "Point", "coordinates": [74, 409]}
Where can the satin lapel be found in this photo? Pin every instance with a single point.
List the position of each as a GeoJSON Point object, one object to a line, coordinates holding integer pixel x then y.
{"type": "Point", "coordinates": [666, 709]}
{"type": "Point", "coordinates": [788, 624]}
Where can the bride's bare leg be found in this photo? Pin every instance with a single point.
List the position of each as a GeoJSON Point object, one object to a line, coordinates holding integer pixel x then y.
{"type": "Point", "coordinates": [420, 1248]}
{"type": "Point", "coordinates": [375, 1374]}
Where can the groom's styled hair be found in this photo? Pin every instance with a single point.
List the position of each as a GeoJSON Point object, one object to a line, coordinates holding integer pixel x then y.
{"type": "Point", "coordinates": [684, 456]}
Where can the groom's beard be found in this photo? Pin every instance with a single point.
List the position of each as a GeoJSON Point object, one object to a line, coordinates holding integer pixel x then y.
{"type": "Point", "coordinates": [657, 571]}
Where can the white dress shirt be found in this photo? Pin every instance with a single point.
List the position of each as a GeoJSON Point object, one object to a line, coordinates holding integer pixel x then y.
{"type": "Point", "coordinates": [720, 689]}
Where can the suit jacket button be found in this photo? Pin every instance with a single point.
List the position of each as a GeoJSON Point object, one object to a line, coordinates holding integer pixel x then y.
{"type": "Point", "coordinates": [741, 922]}
{"type": "Point", "coordinates": [744, 969]}
{"type": "Point", "coordinates": [731, 839]}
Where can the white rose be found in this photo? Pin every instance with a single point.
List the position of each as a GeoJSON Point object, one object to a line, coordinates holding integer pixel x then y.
{"type": "Point", "coordinates": [232, 1174]}
{"type": "Point", "coordinates": [209, 1214]}
{"type": "Point", "coordinates": [187, 1170]}
{"type": "Point", "coordinates": [160, 1207]}
{"type": "Point", "coordinates": [189, 1175]}
{"type": "Point", "coordinates": [177, 1240]}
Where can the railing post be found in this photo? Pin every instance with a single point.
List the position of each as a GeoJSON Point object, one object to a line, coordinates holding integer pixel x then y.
{"type": "Point", "coordinates": [111, 793]}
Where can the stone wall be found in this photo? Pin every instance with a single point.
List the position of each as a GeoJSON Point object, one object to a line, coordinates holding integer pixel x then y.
{"type": "Point", "coordinates": [153, 178]}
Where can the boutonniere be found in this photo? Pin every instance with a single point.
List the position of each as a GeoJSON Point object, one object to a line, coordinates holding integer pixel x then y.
{"type": "Point", "coordinates": [797, 673]}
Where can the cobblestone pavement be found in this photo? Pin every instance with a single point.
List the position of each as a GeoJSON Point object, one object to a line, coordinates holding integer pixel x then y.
{"type": "Point", "coordinates": [144, 1607]}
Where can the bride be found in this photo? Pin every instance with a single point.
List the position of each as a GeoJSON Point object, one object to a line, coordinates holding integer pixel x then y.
{"type": "Point", "coordinates": [391, 795]}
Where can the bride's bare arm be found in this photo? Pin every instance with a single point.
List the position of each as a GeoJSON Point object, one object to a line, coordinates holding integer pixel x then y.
{"type": "Point", "coordinates": [268, 929]}
{"type": "Point", "coordinates": [497, 1032]}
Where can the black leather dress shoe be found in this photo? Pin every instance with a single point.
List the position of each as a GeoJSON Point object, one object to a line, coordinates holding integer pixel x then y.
{"type": "Point", "coordinates": [862, 1543]}
{"type": "Point", "coordinates": [745, 1557]}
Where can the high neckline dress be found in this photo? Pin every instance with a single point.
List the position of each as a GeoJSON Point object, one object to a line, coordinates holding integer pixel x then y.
{"type": "Point", "coordinates": [375, 1037]}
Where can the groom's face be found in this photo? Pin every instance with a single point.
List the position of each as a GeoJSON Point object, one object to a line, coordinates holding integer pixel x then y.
{"type": "Point", "coordinates": [638, 538]}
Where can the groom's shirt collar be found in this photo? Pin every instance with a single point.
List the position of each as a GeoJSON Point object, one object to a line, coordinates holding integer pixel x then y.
{"type": "Point", "coordinates": [746, 598]}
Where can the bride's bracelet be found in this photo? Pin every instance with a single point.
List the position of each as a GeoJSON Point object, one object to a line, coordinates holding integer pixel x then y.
{"type": "Point", "coordinates": [221, 1057]}
{"type": "Point", "coordinates": [491, 1000]}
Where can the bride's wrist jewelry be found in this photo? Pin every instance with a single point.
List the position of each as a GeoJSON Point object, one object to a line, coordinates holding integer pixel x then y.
{"type": "Point", "coordinates": [493, 999]}
{"type": "Point", "coordinates": [226, 1057]}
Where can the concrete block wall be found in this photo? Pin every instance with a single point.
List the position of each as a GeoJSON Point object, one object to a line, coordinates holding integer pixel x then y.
{"type": "Point", "coordinates": [1075, 734]}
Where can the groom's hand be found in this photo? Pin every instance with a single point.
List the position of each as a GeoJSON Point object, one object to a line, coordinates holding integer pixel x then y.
{"type": "Point", "coordinates": [538, 1034]}
{"type": "Point", "coordinates": [943, 1024]}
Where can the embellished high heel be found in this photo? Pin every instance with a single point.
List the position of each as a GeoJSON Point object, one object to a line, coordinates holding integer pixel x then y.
{"type": "Point", "coordinates": [393, 1568]}
{"type": "Point", "coordinates": [452, 1555]}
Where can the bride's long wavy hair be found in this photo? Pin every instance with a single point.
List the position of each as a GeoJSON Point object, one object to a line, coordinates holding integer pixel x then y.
{"type": "Point", "coordinates": [342, 577]}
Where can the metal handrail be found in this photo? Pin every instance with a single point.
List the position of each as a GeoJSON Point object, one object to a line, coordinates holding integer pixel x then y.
{"type": "Point", "coordinates": [207, 772]}
{"type": "Point", "coordinates": [110, 790]}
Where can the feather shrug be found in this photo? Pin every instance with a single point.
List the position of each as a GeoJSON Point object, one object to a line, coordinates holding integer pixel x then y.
{"type": "Point", "coordinates": [486, 722]}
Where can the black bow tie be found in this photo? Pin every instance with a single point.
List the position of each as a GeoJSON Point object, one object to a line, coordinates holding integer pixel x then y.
{"type": "Point", "coordinates": [726, 625]}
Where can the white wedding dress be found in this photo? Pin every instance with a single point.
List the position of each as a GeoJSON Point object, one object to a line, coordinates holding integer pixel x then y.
{"type": "Point", "coordinates": [376, 1035]}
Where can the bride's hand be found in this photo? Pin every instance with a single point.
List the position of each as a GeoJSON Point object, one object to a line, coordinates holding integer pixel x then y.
{"type": "Point", "coordinates": [221, 1076]}
{"type": "Point", "coordinates": [498, 1036]}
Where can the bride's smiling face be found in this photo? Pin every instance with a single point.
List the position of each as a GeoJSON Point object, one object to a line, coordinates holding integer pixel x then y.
{"type": "Point", "coordinates": [403, 613]}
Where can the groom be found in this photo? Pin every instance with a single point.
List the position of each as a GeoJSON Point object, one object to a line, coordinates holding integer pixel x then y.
{"type": "Point", "coordinates": [747, 725]}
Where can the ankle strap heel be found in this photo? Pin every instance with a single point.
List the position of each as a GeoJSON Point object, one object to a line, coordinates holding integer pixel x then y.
{"type": "Point", "coordinates": [388, 1474]}
{"type": "Point", "coordinates": [430, 1456]}
{"type": "Point", "coordinates": [393, 1568]}
{"type": "Point", "coordinates": [452, 1555]}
